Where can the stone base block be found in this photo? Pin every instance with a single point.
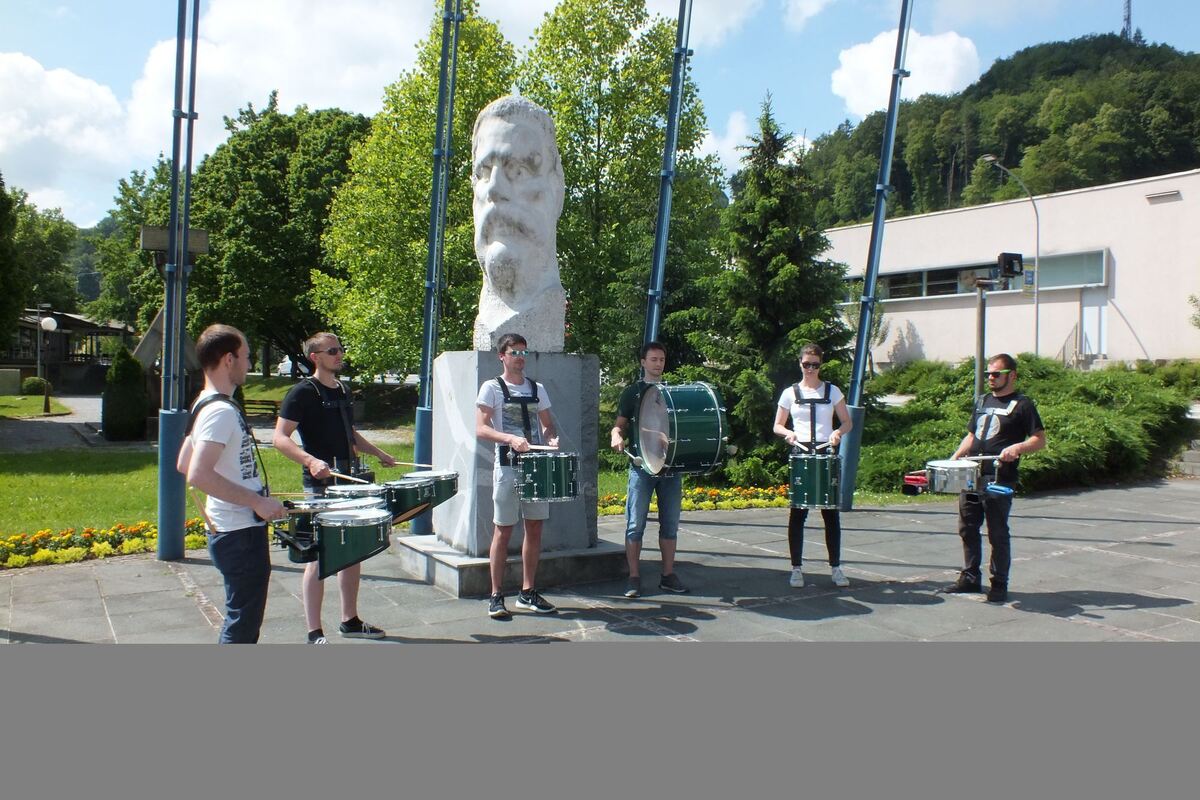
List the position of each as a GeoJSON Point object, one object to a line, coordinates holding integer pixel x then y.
{"type": "Point", "coordinates": [440, 564]}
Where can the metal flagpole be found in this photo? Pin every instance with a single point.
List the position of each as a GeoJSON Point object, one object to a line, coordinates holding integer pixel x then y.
{"type": "Point", "coordinates": [658, 266]}
{"type": "Point", "coordinates": [852, 443]}
{"type": "Point", "coordinates": [442, 137]}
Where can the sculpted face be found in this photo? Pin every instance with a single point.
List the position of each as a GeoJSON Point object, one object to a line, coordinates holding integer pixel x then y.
{"type": "Point", "coordinates": [516, 205]}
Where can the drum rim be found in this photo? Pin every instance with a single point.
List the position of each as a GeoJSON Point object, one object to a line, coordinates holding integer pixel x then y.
{"type": "Point", "coordinates": [412, 481]}
{"type": "Point", "coordinates": [379, 514]}
{"type": "Point", "coordinates": [951, 463]}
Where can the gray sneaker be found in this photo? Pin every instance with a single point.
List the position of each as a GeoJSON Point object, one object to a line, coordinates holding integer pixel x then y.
{"type": "Point", "coordinates": [633, 586]}
{"type": "Point", "coordinates": [671, 583]}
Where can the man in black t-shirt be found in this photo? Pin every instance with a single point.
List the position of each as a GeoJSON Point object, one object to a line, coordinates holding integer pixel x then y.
{"type": "Point", "coordinates": [320, 408]}
{"type": "Point", "coordinates": [1004, 424]}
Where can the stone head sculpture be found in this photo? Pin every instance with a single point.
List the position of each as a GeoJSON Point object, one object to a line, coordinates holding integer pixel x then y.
{"type": "Point", "coordinates": [517, 178]}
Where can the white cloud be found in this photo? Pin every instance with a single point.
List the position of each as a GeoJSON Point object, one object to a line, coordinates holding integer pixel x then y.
{"type": "Point", "coordinates": [797, 13]}
{"type": "Point", "coordinates": [712, 20]}
{"type": "Point", "coordinates": [939, 64]}
{"type": "Point", "coordinates": [57, 128]}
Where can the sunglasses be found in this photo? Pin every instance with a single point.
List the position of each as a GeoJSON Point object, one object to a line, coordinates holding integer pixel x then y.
{"type": "Point", "coordinates": [520, 353]}
{"type": "Point", "coordinates": [810, 364]}
{"type": "Point", "coordinates": [1000, 373]}
{"type": "Point", "coordinates": [333, 351]}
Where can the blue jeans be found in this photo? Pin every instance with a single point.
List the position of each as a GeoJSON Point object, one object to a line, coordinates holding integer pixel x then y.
{"type": "Point", "coordinates": [244, 560]}
{"type": "Point", "coordinates": [637, 504]}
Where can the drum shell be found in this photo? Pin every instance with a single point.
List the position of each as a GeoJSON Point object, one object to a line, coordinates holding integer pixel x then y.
{"type": "Point", "coordinates": [346, 538]}
{"type": "Point", "coordinates": [548, 477]}
{"type": "Point", "coordinates": [691, 417]}
{"type": "Point", "coordinates": [408, 497]}
{"type": "Point", "coordinates": [304, 543]}
{"type": "Point", "coordinates": [445, 484]}
{"type": "Point", "coordinates": [815, 478]}
{"type": "Point", "coordinates": [952, 476]}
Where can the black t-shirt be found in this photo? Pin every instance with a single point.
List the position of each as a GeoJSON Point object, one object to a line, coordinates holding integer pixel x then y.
{"type": "Point", "coordinates": [998, 422]}
{"type": "Point", "coordinates": [322, 417]}
{"type": "Point", "coordinates": [627, 407]}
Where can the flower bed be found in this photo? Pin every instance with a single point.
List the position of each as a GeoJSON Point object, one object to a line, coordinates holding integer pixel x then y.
{"type": "Point", "coordinates": [70, 545]}
{"type": "Point", "coordinates": [703, 498]}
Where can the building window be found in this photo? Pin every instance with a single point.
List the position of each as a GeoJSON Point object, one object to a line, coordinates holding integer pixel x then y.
{"type": "Point", "coordinates": [904, 284]}
{"type": "Point", "coordinates": [1074, 269]}
{"type": "Point", "coordinates": [941, 281]}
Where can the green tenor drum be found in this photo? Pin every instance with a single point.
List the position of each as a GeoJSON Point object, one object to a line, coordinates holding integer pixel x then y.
{"type": "Point", "coordinates": [815, 479]}
{"type": "Point", "coordinates": [407, 497]}
{"type": "Point", "coordinates": [681, 428]}
{"type": "Point", "coordinates": [445, 483]}
{"type": "Point", "coordinates": [548, 477]}
{"type": "Point", "coordinates": [299, 534]}
{"type": "Point", "coordinates": [347, 537]}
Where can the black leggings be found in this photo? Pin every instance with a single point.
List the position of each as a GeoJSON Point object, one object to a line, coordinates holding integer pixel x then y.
{"type": "Point", "coordinates": [833, 534]}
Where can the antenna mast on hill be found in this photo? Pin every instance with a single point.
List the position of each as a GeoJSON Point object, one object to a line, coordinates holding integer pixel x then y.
{"type": "Point", "coordinates": [1127, 30]}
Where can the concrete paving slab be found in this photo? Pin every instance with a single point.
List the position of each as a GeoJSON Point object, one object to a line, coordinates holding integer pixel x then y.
{"type": "Point", "coordinates": [137, 623]}
{"type": "Point", "coordinates": [51, 586]}
{"type": "Point", "coordinates": [1181, 632]}
{"type": "Point", "coordinates": [148, 602]}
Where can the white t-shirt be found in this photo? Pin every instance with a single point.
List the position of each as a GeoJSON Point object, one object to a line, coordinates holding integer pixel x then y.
{"type": "Point", "coordinates": [800, 411]}
{"type": "Point", "coordinates": [507, 418]}
{"type": "Point", "coordinates": [218, 422]}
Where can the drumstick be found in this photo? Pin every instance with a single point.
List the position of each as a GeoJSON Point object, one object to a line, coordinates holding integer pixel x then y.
{"type": "Point", "coordinates": [637, 460]}
{"type": "Point", "coordinates": [347, 477]}
{"type": "Point", "coordinates": [404, 464]}
{"type": "Point", "coordinates": [541, 447]}
{"type": "Point", "coordinates": [200, 508]}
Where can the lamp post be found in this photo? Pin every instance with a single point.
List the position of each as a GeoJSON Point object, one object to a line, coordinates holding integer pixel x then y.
{"type": "Point", "coordinates": [46, 324]}
{"type": "Point", "coordinates": [1037, 243]}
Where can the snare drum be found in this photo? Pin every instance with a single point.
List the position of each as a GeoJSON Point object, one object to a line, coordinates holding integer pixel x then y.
{"type": "Point", "coordinates": [681, 428]}
{"type": "Point", "coordinates": [408, 497]}
{"type": "Point", "coordinates": [815, 479]}
{"type": "Point", "coordinates": [300, 536]}
{"type": "Point", "coordinates": [951, 476]}
{"type": "Point", "coordinates": [445, 483]}
{"type": "Point", "coordinates": [548, 477]}
{"type": "Point", "coordinates": [346, 537]}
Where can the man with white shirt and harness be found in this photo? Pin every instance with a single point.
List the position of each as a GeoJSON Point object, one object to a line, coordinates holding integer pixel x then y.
{"type": "Point", "coordinates": [514, 412]}
{"type": "Point", "coordinates": [1004, 424]}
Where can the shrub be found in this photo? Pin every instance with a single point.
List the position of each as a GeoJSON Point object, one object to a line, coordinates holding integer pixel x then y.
{"type": "Point", "coordinates": [70, 555]}
{"type": "Point", "coordinates": [43, 557]}
{"type": "Point", "coordinates": [35, 385]}
{"type": "Point", "coordinates": [102, 550]}
{"type": "Point", "coordinates": [17, 561]}
{"type": "Point", "coordinates": [124, 404]}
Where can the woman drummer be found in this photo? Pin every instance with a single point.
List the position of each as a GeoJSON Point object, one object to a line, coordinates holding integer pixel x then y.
{"type": "Point", "coordinates": [813, 403]}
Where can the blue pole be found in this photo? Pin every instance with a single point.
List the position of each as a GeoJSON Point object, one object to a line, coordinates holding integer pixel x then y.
{"type": "Point", "coordinates": [851, 445]}
{"type": "Point", "coordinates": [422, 524]}
{"type": "Point", "coordinates": [654, 300]}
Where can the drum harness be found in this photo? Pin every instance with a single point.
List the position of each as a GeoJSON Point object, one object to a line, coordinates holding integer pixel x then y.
{"type": "Point", "coordinates": [506, 452]}
{"type": "Point", "coordinates": [990, 414]}
{"type": "Point", "coordinates": [812, 403]}
{"type": "Point", "coordinates": [259, 463]}
{"type": "Point", "coordinates": [341, 405]}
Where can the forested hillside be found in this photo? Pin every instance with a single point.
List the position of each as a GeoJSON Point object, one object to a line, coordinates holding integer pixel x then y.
{"type": "Point", "coordinates": [1062, 115]}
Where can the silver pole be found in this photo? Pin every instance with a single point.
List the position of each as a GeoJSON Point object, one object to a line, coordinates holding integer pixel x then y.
{"type": "Point", "coordinates": [1037, 245]}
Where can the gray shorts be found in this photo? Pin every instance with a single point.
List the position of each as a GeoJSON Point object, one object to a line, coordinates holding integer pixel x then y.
{"type": "Point", "coordinates": [507, 506]}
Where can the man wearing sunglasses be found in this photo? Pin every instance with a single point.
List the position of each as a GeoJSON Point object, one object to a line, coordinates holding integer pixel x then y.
{"type": "Point", "coordinates": [1004, 424]}
{"type": "Point", "coordinates": [320, 408]}
{"type": "Point", "coordinates": [514, 412]}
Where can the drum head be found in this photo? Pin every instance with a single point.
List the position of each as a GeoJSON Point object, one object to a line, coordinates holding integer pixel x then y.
{"type": "Point", "coordinates": [351, 518]}
{"type": "Point", "coordinates": [951, 463]}
{"type": "Point", "coordinates": [653, 430]}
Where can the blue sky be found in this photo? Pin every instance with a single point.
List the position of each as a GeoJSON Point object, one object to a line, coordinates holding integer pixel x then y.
{"type": "Point", "coordinates": [85, 86]}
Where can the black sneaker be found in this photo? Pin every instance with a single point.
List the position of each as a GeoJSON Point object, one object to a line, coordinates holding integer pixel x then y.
{"type": "Point", "coordinates": [533, 601]}
{"type": "Point", "coordinates": [357, 629]}
{"type": "Point", "coordinates": [317, 637]}
{"type": "Point", "coordinates": [633, 586]}
{"type": "Point", "coordinates": [963, 586]}
{"type": "Point", "coordinates": [997, 593]}
{"type": "Point", "coordinates": [671, 583]}
{"type": "Point", "coordinates": [496, 609]}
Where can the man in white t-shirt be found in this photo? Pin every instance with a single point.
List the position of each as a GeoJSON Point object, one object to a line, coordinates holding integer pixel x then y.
{"type": "Point", "coordinates": [514, 412]}
{"type": "Point", "coordinates": [218, 458]}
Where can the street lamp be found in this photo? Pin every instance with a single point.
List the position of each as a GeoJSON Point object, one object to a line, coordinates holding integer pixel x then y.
{"type": "Point", "coordinates": [1037, 239]}
{"type": "Point", "coordinates": [47, 324]}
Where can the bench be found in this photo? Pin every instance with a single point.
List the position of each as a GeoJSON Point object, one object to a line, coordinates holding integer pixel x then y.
{"type": "Point", "coordinates": [261, 408]}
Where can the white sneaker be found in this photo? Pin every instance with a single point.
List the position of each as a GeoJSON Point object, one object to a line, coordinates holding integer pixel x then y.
{"type": "Point", "coordinates": [839, 577]}
{"type": "Point", "coordinates": [797, 579]}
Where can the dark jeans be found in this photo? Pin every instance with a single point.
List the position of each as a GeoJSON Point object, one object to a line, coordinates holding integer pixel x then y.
{"type": "Point", "coordinates": [833, 534]}
{"type": "Point", "coordinates": [973, 509]}
{"type": "Point", "coordinates": [244, 560]}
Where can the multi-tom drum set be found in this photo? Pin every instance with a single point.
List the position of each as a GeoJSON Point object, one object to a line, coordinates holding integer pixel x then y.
{"type": "Point", "coordinates": [352, 522]}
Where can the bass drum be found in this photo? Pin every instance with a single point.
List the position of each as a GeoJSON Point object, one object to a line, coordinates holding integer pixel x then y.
{"type": "Point", "coordinates": [682, 428]}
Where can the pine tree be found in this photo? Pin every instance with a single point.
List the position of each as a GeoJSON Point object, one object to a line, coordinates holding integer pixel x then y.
{"type": "Point", "coordinates": [775, 295]}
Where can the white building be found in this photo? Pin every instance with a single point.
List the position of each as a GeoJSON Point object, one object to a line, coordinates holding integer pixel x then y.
{"type": "Point", "coordinates": [1118, 263]}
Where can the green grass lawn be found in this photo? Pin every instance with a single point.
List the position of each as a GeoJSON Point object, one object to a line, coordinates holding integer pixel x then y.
{"type": "Point", "coordinates": [257, 387]}
{"type": "Point", "coordinates": [20, 406]}
{"type": "Point", "coordinates": [98, 488]}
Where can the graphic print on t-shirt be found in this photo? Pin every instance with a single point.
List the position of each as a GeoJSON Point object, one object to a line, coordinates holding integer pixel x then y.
{"type": "Point", "coordinates": [987, 427]}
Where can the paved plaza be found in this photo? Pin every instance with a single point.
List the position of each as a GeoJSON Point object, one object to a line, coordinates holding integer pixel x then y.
{"type": "Point", "coordinates": [1111, 564]}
